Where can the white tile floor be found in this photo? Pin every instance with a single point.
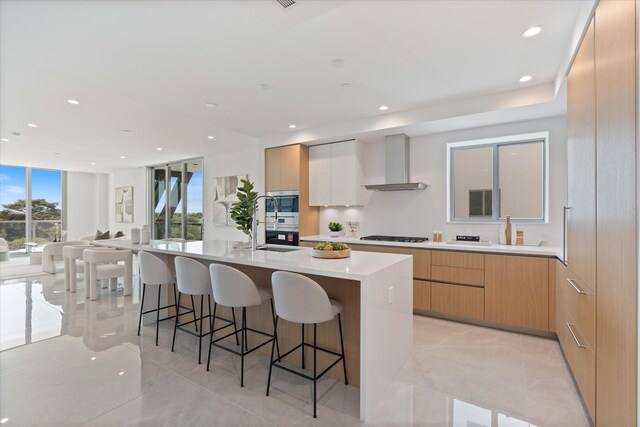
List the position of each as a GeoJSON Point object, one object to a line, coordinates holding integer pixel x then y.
{"type": "Point", "coordinates": [67, 361]}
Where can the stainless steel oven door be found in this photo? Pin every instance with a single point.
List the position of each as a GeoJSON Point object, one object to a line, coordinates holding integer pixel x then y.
{"type": "Point", "coordinates": [288, 202]}
{"type": "Point", "coordinates": [285, 221]}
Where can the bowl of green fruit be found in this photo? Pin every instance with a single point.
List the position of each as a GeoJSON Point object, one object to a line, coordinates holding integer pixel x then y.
{"type": "Point", "coordinates": [331, 250]}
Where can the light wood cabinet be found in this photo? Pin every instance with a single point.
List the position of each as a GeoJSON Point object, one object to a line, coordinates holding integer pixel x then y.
{"type": "Point", "coordinates": [581, 163]}
{"type": "Point", "coordinates": [421, 257]}
{"type": "Point", "coordinates": [464, 276]}
{"type": "Point", "coordinates": [457, 300]}
{"type": "Point", "coordinates": [517, 291]}
{"type": "Point", "coordinates": [421, 295]}
{"type": "Point", "coordinates": [282, 168]}
{"type": "Point", "coordinates": [336, 174]}
{"type": "Point", "coordinates": [580, 306]}
{"type": "Point", "coordinates": [616, 254]}
{"type": "Point", "coordinates": [287, 169]}
{"type": "Point", "coordinates": [581, 357]}
{"type": "Point", "coordinates": [458, 259]}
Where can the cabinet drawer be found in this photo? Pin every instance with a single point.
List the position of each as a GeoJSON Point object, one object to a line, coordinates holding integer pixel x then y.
{"type": "Point", "coordinates": [458, 300]}
{"type": "Point", "coordinates": [465, 276]}
{"type": "Point", "coordinates": [581, 359]}
{"type": "Point", "coordinates": [458, 259]}
{"type": "Point", "coordinates": [421, 260]}
{"type": "Point", "coordinates": [421, 295]}
{"type": "Point", "coordinates": [581, 307]}
{"type": "Point", "coordinates": [421, 257]}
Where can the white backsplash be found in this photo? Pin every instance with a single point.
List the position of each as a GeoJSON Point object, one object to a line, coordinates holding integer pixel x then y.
{"type": "Point", "coordinates": [419, 213]}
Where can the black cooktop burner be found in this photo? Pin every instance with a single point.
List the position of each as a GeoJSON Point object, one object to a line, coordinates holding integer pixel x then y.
{"type": "Point", "coordinates": [396, 239]}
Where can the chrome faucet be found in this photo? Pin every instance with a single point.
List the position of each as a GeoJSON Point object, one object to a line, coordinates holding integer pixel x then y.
{"type": "Point", "coordinates": [254, 221]}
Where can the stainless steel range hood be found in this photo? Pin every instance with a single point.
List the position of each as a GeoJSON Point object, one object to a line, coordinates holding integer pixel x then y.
{"type": "Point", "coordinates": [396, 166]}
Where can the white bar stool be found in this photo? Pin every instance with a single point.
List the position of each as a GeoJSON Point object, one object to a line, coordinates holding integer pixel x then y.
{"type": "Point", "coordinates": [192, 278]}
{"type": "Point", "coordinates": [154, 272]}
{"type": "Point", "coordinates": [232, 288]}
{"type": "Point", "coordinates": [105, 264]}
{"type": "Point", "coordinates": [300, 299]}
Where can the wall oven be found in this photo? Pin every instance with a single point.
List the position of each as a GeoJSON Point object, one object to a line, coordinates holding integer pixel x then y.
{"type": "Point", "coordinates": [287, 217]}
{"type": "Point", "coordinates": [282, 237]}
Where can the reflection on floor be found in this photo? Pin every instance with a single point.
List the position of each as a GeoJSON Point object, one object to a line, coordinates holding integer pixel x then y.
{"type": "Point", "coordinates": [95, 370]}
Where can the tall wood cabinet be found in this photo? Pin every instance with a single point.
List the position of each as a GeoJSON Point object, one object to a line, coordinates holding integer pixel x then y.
{"type": "Point", "coordinates": [617, 294]}
{"type": "Point", "coordinates": [597, 297]}
{"type": "Point", "coordinates": [581, 162]}
{"type": "Point", "coordinates": [286, 169]}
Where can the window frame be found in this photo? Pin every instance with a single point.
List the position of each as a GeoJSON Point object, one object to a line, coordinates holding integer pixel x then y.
{"type": "Point", "coordinates": [150, 202]}
{"type": "Point", "coordinates": [495, 143]}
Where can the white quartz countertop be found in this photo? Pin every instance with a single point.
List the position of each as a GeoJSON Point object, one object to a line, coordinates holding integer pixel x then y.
{"type": "Point", "coordinates": [359, 266]}
{"type": "Point", "coordinates": [548, 251]}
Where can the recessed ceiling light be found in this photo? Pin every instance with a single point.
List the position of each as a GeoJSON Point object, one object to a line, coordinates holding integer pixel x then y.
{"type": "Point", "coordinates": [211, 105]}
{"type": "Point", "coordinates": [4, 139]}
{"type": "Point", "coordinates": [32, 125]}
{"type": "Point", "coordinates": [211, 137]}
{"type": "Point", "coordinates": [93, 163]}
{"type": "Point", "coordinates": [525, 78]}
{"type": "Point", "coordinates": [264, 86]}
{"type": "Point", "coordinates": [121, 373]}
{"type": "Point", "coordinates": [126, 130]}
{"type": "Point", "coordinates": [57, 154]}
{"type": "Point", "coordinates": [532, 31]}
{"type": "Point", "coordinates": [292, 126]}
{"type": "Point", "coordinates": [159, 149]}
{"type": "Point", "coordinates": [93, 358]}
{"type": "Point", "coordinates": [346, 84]}
{"type": "Point", "coordinates": [123, 157]}
{"type": "Point", "coordinates": [383, 108]}
{"type": "Point", "coordinates": [4, 420]}
{"type": "Point", "coordinates": [72, 102]}
{"type": "Point", "coordinates": [338, 63]}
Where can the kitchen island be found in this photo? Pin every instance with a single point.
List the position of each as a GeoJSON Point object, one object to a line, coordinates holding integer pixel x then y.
{"type": "Point", "coordinates": [375, 290]}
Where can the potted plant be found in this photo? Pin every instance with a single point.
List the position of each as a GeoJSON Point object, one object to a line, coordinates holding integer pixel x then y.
{"type": "Point", "coordinates": [335, 228]}
{"type": "Point", "coordinates": [242, 210]}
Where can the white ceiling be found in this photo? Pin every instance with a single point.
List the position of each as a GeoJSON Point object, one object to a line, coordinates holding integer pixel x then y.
{"type": "Point", "coordinates": [150, 67]}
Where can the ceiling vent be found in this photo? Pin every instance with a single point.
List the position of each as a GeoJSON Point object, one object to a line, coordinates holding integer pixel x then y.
{"type": "Point", "coordinates": [286, 3]}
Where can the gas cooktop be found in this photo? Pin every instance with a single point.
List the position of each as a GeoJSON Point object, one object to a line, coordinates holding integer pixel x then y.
{"type": "Point", "coordinates": [396, 239]}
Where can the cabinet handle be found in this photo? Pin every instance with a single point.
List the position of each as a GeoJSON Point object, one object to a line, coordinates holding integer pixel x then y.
{"type": "Point", "coordinates": [564, 235]}
{"type": "Point", "coordinates": [578, 290]}
{"type": "Point", "coordinates": [575, 338]}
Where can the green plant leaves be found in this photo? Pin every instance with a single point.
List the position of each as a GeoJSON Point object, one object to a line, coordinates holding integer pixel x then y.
{"type": "Point", "coordinates": [242, 210]}
{"type": "Point", "coordinates": [335, 226]}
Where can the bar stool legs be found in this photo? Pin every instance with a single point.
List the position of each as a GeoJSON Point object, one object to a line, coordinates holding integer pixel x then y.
{"type": "Point", "coordinates": [157, 309]}
{"type": "Point", "coordinates": [316, 376]}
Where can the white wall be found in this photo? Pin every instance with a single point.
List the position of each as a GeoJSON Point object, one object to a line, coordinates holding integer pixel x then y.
{"type": "Point", "coordinates": [127, 178]}
{"type": "Point", "coordinates": [419, 213]}
{"type": "Point", "coordinates": [242, 162]}
{"type": "Point", "coordinates": [85, 204]}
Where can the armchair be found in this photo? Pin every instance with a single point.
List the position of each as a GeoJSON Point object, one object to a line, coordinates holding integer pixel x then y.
{"type": "Point", "coordinates": [4, 250]}
{"type": "Point", "coordinates": [52, 253]}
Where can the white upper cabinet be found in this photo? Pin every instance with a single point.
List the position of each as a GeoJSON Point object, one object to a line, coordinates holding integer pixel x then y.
{"type": "Point", "coordinates": [320, 175]}
{"type": "Point", "coordinates": [335, 174]}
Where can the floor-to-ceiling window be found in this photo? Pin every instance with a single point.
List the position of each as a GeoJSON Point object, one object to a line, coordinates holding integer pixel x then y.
{"type": "Point", "coordinates": [177, 200]}
{"type": "Point", "coordinates": [30, 206]}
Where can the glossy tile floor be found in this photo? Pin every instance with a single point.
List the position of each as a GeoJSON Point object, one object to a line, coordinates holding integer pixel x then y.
{"type": "Point", "coordinates": [67, 361]}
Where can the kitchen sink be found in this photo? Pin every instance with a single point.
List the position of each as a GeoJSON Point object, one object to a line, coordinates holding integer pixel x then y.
{"type": "Point", "coordinates": [278, 248]}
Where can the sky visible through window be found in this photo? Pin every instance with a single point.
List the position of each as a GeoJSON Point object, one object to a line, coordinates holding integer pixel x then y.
{"type": "Point", "coordinates": [13, 185]}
